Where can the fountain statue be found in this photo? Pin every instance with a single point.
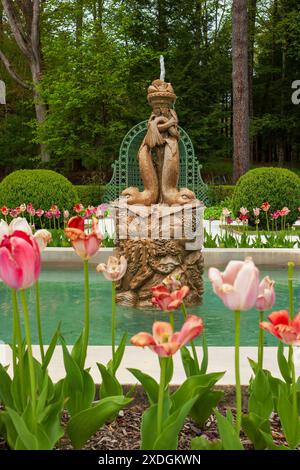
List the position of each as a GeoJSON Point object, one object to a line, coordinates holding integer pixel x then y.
{"type": "Point", "coordinates": [159, 229]}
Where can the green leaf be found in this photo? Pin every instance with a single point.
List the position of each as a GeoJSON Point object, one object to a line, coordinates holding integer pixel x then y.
{"type": "Point", "coordinates": [188, 362]}
{"type": "Point", "coordinates": [204, 362]}
{"type": "Point", "coordinates": [191, 386]}
{"type": "Point", "coordinates": [253, 426]}
{"type": "Point", "coordinates": [77, 350]}
{"type": "Point", "coordinates": [5, 388]}
{"type": "Point", "coordinates": [149, 428]}
{"type": "Point", "coordinates": [202, 443]}
{"type": "Point", "coordinates": [205, 405]}
{"type": "Point", "coordinates": [260, 400]}
{"type": "Point", "coordinates": [83, 425]}
{"type": "Point", "coordinates": [290, 426]}
{"type": "Point", "coordinates": [110, 385]}
{"type": "Point", "coordinates": [150, 385]}
{"type": "Point", "coordinates": [168, 438]}
{"type": "Point", "coordinates": [51, 347]}
{"type": "Point", "coordinates": [283, 364]}
{"type": "Point", "coordinates": [28, 438]}
{"type": "Point", "coordinates": [114, 365]}
{"type": "Point", "coordinates": [229, 438]}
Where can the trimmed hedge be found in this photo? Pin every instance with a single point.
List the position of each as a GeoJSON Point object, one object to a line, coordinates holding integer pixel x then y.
{"type": "Point", "coordinates": [40, 187]}
{"type": "Point", "coordinates": [90, 194]}
{"type": "Point", "coordinates": [278, 186]}
{"type": "Point", "coordinates": [218, 193]}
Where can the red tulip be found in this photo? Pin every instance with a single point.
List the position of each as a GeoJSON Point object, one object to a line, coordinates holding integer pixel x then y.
{"type": "Point", "coordinates": [20, 262]}
{"type": "Point", "coordinates": [166, 300]}
{"type": "Point", "coordinates": [283, 327]}
{"type": "Point", "coordinates": [265, 206]}
{"type": "Point", "coordinates": [86, 245]}
{"type": "Point", "coordinates": [164, 341]}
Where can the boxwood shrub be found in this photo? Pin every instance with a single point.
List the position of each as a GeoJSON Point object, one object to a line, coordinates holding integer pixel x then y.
{"type": "Point", "coordinates": [40, 187]}
{"type": "Point", "coordinates": [90, 194]}
{"type": "Point", "coordinates": [278, 186]}
{"type": "Point", "coordinates": [218, 193]}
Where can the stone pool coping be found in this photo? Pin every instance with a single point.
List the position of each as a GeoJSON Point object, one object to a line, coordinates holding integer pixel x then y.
{"type": "Point", "coordinates": [220, 359]}
{"type": "Point", "coordinates": [274, 257]}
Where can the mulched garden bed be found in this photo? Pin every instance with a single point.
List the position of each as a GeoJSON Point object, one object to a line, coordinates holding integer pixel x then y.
{"type": "Point", "coordinates": [124, 432]}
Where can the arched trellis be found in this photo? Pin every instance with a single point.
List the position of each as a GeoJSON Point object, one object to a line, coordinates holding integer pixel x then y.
{"type": "Point", "coordinates": [126, 168]}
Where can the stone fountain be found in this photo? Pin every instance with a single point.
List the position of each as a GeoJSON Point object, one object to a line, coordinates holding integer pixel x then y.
{"type": "Point", "coordinates": [159, 229]}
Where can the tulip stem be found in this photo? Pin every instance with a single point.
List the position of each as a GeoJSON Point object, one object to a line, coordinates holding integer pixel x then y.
{"type": "Point", "coordinates": [86, 330]}
{"type": "Point", "coordinates": [171, 318]}
{"type": "Point", "coordinates": [268, 226]}
{"type": "Point", "coordinates": [38, 320]}
{"type": "Point", "coordinates": [29, 348]}
{"type": "Point", "coordinates": [290, 285]}
{"type": "Point", "coordinates": [237, 372]}
{"type": "Point", "coordinates": [260, 353]}
{"type": "Point", "coordinates": [17, 339]}
{"type": "Point", "coordinates": [160, 404]}
{"type": "Point", "coordinates": [113, 319]}
{"type": "Point", "coordinates": [291, 302]}
{"type": "Point", "coordinates": [294, 387]}
{"type": "Point", "coordinates": [196, 362]}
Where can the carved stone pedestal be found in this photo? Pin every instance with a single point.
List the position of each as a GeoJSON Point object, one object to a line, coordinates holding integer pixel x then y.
{"type": "Point", "coordinates": [157, 241]}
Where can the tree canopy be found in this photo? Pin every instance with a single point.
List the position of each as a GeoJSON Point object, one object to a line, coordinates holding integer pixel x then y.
{"type": "Point", "coordinates": [98, 58]}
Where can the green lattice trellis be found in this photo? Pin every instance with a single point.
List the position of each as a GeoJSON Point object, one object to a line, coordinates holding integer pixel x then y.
{"type": "Point", "coordinates": [126, 168]}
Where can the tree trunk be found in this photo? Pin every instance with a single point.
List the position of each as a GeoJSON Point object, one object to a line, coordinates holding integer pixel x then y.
{"type": "Point", "coordinates": [252, 19]}
{"type": "Point", "coordinates": [240, 89]}
{"type": "Point", "coordinates": [24, 23]}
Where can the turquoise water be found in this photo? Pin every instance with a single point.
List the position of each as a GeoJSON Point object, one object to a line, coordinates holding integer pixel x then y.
{"type": "Point", "coordinates": [62, 298]}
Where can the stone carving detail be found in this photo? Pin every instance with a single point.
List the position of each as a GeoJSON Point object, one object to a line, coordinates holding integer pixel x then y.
{"type": "Point", "coordinates": [149, 262]}
{"type": "Point", "coordinates": [158, 155]}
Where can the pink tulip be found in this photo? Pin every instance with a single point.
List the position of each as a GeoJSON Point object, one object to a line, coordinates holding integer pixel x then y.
{"type": "Point", "coordinates": [266, 295]}
{"type": "Point", "coordinates": [283, 327]}
{"type": "Point", "coordinates": [275, 215]}
{"type": "Point", "coordinates": [66, 214]}
{"type": "Point", "coordinates": [19, 224]}
{"type": "Point", "coordinates": [114, 269]}
{"type": "Point", "coordinates": [86, 245]}
{"type": "Point", "coordinates": [237, 286]}
{"type": "Point", "coordinates": [48, 214]}
{"type": "Point", "coordinates": [164, 341]}
{"type": "Point", "coordinates": [14, 213]}
{"type": "Point", "coordinates": [40, 212]}
{"type": "Point", "coordinates": [20, 262]}
{"type": "Point", "coordinates": [256, 211]}
{"type": "Point", "coordinates": [166, 300]}
{"type": "Point", "coordinates": [23, 207]}
{"type": "Point", "coordinates": [284, 211]}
